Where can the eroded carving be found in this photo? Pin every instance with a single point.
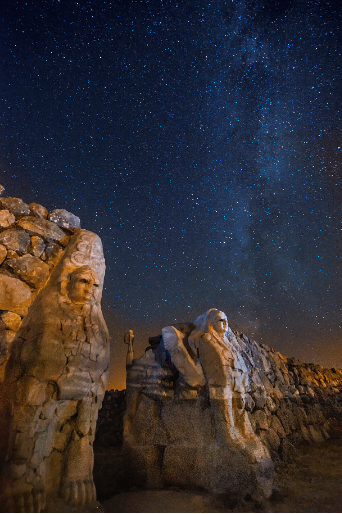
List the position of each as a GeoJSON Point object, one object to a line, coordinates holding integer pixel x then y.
{"type": "Point", "coordinates": [54, 384]}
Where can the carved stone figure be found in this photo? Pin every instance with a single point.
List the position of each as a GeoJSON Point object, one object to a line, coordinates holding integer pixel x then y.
{"type": "Point", "coordinates": [54, 385]}
{"type": "Point", "coordinates": [129, 340]}
{"type": "Point", "coordinates": [227, 379]}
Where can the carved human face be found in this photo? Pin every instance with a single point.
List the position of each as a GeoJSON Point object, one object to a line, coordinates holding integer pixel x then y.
{"type": "Point", "coordinates": [82, 287]}
{"type": "Point", "coordinates": [219, 322]}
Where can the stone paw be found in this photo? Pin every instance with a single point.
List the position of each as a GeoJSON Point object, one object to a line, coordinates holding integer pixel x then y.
{"type": "Point", "coordinates": [78, 492]}
{"type": "Point", "coordinates": [30, 501]}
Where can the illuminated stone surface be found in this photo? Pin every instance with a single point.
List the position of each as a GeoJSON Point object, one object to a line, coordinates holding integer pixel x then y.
{"type": "Point", "coordinates": [54, 384]}
{"type": "Point", "coordinates": [223, 433]}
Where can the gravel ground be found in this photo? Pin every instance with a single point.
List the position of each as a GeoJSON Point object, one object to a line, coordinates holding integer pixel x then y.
{"type": "Point", "coordinates": [312, 482]}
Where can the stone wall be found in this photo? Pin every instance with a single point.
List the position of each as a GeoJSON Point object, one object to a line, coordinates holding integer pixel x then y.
{"type": "Point", "coordinates": [109, 428]}
{"type": "Point", "coordinates": [32, 241]}
{"type": "Point", "coordinates": [170, 431]}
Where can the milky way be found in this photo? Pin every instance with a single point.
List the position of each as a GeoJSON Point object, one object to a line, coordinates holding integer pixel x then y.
{"type": "Point", "coordinates": [202, 142]}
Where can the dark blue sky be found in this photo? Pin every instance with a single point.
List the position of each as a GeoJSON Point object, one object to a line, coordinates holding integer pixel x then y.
{"type": "Point", "coordinates": [202, 141]}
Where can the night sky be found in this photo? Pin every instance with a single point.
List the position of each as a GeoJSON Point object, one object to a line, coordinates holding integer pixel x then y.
{"type": "Point", "coordinates": [202, 141]}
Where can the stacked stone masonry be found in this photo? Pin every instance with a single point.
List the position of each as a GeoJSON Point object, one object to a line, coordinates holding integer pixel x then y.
{"type": "Point", "coordinates": [109, 428]}
{"type": "Point", "coordinates": [32, 241]}
{"type": "Point", "coordinates": [54, 358]}
{"type": "Point", "coordinates": [171, 427]}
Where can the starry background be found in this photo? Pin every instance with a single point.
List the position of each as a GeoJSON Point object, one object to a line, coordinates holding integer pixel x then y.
{"type": "Point", "coordinates": [202, 141]}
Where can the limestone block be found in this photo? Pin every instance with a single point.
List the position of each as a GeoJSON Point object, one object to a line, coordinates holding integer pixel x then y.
{"type": "Point", "coordinates": [271, 438]}
{"type": "Point", "coordinates": [7, 219]}
{"type": "Point", "coordinates": [64, 219]}
{"type": "Point", "coordinates": [16, 206]}
{"type": "Point", "coordinates": [29, 269]}
{"type": "Point", "coordinates": [37, 246]}
{"type": "Point", "coordinates": [15, 240]}
{"type": "Point", "coordinates": [259, 420]}
{"type": "Point", "coordinates": [276, 425]}
{"type": "Point", "coordinates": [44, 228]}
{"type": "Point", "coordinates": [3, 253]}
{"type": "Point", "coordinates": [15, 295]}
{"type": "Point", "coordinates": [11, 320]}
{"type": "Point", "coordinates": [38, 210]}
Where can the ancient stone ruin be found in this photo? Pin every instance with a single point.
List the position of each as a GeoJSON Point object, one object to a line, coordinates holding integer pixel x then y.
{"type": "Point", "coordinates": [55, 357]}
{"type": "Point", "coordinates": [211, 409]}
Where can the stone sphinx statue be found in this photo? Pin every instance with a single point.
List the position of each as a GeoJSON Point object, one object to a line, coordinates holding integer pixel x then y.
{"type": "Point", "coordinates": [227, 380]}
{"type": "Point", "coordinates": [186, 423]}
{"type": "Point", "coordinates": [54, 385]}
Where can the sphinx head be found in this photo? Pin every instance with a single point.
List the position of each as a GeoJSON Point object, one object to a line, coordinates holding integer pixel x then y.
{"type": "Point", "coordinates": [82, 286]}
{"type": "Point", "coordinates": [213, 319]}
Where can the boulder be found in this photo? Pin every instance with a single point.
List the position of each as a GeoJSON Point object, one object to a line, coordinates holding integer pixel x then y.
{"type": "Point", "coordinates": [44, 228]}
{"type": "Point", "coordinates": [15, 240]}
{"type": "Point", "coordinates": [38, 210]}
{"type": "Point", "coordinates": [7, 219]}
{"type": "Point", "coordinates": [64, 219]}
{"type": "Point", "coordinates": [11, 320]}
{"type": "Point", "coordinates": [29, 269]}
{"type": "Point", "coordinates": [15, 295]}
{"type": "Point", "coordinates": [37, 246]}
{"type": "Point", "coordinates": [16, 206]}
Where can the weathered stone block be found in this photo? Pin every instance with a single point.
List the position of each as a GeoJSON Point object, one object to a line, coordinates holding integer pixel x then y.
{"type": "Point", "coordinates": [15, 240]}
{"type": "Point", "coordinates": [46, 229]}
{"type": "Point", "coordinates": [64, 219]}
{"type": "Point", "coordinates": [15, 295]}
{"type": "Point", "coordinates": [11, 320]}
{"type": "Point", "coordinates": [259, 420]}
{"type": "Point", "coordinates": [38, 210]}
{"type": "Point", "coordinates": [16, 206]}
{"type": "Point", "coordinates": [29, 269]}
{"type": "Point", "coordinates": [7, 219]}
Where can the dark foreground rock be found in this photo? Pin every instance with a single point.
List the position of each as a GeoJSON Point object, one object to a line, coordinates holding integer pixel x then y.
{"type": "Point", "coordinates": [312, 482]}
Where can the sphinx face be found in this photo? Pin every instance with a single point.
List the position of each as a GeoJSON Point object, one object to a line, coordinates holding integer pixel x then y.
{"type": "Point", "coordinates": [82, 287]}
{"type": "Point", "coordinates": [219, 322]}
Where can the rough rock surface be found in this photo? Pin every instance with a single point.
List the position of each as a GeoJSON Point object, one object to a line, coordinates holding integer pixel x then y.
{"type": "Point", "coordinates": [6, 219]}
{"type": "Point", "coordinates": [53, 386]}
{"type": "Point", "coordinates": [30, 247]}
{"type": "Point", "coordinates": [15, 205]}
{"type": "Point", "coordinates": [176, 428]}
{"type": "Point", "coordinates": [64, 219]}
{"type": "Point", "coordinates": [109, 428]}
{"type": "Point", "coordinates": [46, 229]}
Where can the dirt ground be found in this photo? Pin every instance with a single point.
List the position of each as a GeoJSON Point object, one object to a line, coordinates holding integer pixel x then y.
{"type": "Point", "coordinates": [312, 482]}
